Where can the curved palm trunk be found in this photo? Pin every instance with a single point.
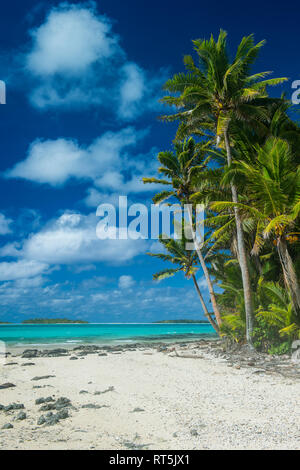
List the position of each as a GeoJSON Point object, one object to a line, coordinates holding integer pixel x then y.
{"type": "Point", "coordinates": [289, 273]}
{"type": "Point", "coordinates": [206, 312]}
{"type": "Point", "coordinates": [242, 253]}
{"type": "Point", "coordinates": [205, 270]}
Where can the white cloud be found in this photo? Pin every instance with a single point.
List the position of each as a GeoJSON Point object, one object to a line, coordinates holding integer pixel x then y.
{"type": "Point", "coordinates": [56, 161]}
{"type": "Point", "coordinates": [74, 60]}
{"type": "Point", "coordinates": [70, 40]}
{"type": "Point", "coordinates": [21, 269]}
{"type": "Point", "coordinates": [105, 161]}
{"type": "Point", "coordinates": [29, 283]}
{"type": "Point", "coordinates": [72, 239]}
{"type": "Point", "coordinates": [5, 225]}
{"type": "Point", "coordinates": [126, 282]}
{"type": "Point", "coordinates": [132, 90]}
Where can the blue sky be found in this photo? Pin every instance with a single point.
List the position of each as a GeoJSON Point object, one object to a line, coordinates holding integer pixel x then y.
{"type": "Point", "coordinates": [80, 127]}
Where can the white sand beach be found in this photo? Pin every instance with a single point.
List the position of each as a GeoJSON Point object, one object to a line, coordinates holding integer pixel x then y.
{"type": "Point", "coordinates": [151, 401]}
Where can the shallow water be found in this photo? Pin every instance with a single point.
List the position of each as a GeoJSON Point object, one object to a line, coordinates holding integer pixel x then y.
{"type": "Point", "coordinates": [39, 335]}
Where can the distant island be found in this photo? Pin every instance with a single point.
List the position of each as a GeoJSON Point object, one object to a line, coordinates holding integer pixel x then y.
{"type": "Point", "coordinates": [5, 323]}
{"type": "Point", "coordinates": [51, 321]}
{"type": "Point", "coordinates": [182, 321]}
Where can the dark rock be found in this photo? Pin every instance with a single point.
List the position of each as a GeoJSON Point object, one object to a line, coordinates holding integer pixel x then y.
{"type": "Point", "coordinates": [7, 426]}
{"type": "Point", "coordinates": [63, 414]}
{"type": "Point", "coordinates": [83, 391]}
{"type": "Point", "coordinates": [73, 358]}
{"type": "Point", "coordinates": [137, 410]}
{"type": "Point", "coordinates": [93, 406]}
{"type": "Point", "coordinates": [59, 352]}
{"type": "Point", "coordinates": [43, 377]}
{"type": "Point", "coordinates": [11, 364]}
{"type": "Point", "coordinates": [49, 419]}
{"type": "Point", "coordinates": [40, 401]}
{"type": "Point", "coordinates": [109, 389]}
{"type": "Point", "coordinates": [102, 354]}
{"type": "Point", "coordinates": [194, 432]}
{"type": "Point", "coordinates": [6, 385]}
{"type": "Point", "coordinates": [60, 403]}
{"type": "Point", "coordinates": [21, 416]}
{"type": "Point", "coordinates": [41, 420]}
{"type": "Point", "coordinates": [14, 406]}
{"type": "Point", "coordinates": [30, 353]}
{"type": "Point", "coordinates": [25, 364]}
{"type": "Point", "coordinates": [42, 386]}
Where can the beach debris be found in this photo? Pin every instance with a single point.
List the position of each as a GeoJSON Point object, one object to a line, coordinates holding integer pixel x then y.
{"type": "Point", "coordinates": [21, 416]}
{"type": "Point", "coordinates": [137, 410]}
{"type": "Point", "coordinates": [7, 426]}
{"type": "Point", "coordinates": [11, 364]}
{"type": "Point", "coordinates": [43, 377]}
{"type": "Point", "coordinates": [194, 432]}
{"type": "Point", "coordinates": [6, 385]}
{"type": "Point", "coordinates": [109, 389]}
{"type": "Point", "coordinates": [103, 354]}
{"type": "Point", "coordinates": [25, 364]}
{"type": "Point", "coordinates": [73, 358]}
{"type": "Point", "coordinates": [83, 391]}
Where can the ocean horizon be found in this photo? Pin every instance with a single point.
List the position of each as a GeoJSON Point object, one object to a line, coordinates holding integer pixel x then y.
{"type": "Point", "coordinates": [19, 335]}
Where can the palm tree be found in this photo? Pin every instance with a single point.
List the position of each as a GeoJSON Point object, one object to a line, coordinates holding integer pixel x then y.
{"type": "Point", "coordinates": [212, 96]}
{"type": "Point", "coordinates": [179, 168]}
{"type": "Point", "coordinates": [186, 262]}
{"type": "Point", "coordinates": [273, 188]}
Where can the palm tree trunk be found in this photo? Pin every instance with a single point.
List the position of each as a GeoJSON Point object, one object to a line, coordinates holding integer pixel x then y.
{"type": "Point", "coordinates": [205, 270]}
{"type": "Point", "coordinates": [289, 273]}
{"type": "Point", "coordinates": [206, 312]}
{"type": "Point", "coordinates": [242, 253]}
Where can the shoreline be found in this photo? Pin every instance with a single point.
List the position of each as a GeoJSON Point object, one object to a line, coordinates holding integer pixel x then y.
{"type": "Point", "coordinates": [124, 343]}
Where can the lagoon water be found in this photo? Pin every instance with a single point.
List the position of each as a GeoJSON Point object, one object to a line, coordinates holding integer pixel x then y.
{"type": "Point", "coordinates": [39, 335]}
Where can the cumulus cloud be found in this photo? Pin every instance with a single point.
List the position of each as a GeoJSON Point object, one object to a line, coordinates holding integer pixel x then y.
{"type": "Point", "coordinates": [74, 60]}
{"type": "Point", "coordinates": [126, 282]}
{"type": "Point", "coordinates": [106, 162]}
{"type": "Point", "coordinates": [72, 239]}
{"type": "Point", "coordinates": [5, 225]}
{"type": "Point", "coordinates": [56, 161]}
{"type": "Point", "coordinates": [70, 40]}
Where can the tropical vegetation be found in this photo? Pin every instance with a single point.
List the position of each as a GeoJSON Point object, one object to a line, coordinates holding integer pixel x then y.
{"type": "Point", "coordinates": [235, 153]}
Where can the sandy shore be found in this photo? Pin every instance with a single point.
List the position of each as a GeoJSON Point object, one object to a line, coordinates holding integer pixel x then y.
{"type": "Point", "coordinates": [152, 400]}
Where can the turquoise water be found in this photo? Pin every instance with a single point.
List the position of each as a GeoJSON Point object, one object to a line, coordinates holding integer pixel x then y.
{"type": "Point", "coordinates": [38, 335]}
